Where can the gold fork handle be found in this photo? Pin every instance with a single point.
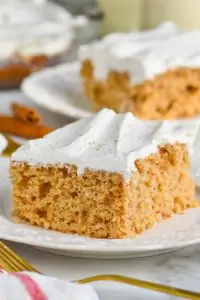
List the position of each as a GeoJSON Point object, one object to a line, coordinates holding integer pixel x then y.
{"type": "Point", "coordinates": [143, 284]}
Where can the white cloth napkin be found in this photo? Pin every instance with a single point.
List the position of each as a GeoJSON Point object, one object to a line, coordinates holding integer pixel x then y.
{"type": "Point", "coordinates": [32, 286]}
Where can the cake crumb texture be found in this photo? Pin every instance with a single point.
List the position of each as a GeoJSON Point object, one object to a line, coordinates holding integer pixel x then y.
{"type": "Point", "coordinates": [171, 95]}
{"type": "Point", "coordinates": [101, 204]}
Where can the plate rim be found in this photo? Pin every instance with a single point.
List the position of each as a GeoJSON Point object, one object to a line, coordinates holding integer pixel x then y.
{"type": "Point", "coordinates": [95, 250]}
{"type": "Point", "coordinates": [88, 248]}
{"type": "Point", "coordinates": [32, 89]}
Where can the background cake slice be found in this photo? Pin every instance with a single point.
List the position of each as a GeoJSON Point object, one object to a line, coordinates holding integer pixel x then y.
{"type": "Point", "coordinates": [106, 176]}
{"type": "Point", "coordinates": [154, 74]}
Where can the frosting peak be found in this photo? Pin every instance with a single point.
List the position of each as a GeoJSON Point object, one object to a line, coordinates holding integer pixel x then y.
{"type": "Point", "coordinates": [105, 141]}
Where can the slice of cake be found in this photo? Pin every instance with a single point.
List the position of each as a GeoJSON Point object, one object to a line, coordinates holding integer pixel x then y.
{"type": "Point", "coordinates": [152, 78]}
{"type": "Point", "coordinates": [175, 94]}
{"type": "Point", "coordinates": [107, 176]}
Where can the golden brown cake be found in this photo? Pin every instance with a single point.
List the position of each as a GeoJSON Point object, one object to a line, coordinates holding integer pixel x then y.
{"type": "Point", "coordinates": [154, 74]}
{"type": "Point", "coordinates": [172, 95]}
{"type": "Point", "coordinates": [106, 176]}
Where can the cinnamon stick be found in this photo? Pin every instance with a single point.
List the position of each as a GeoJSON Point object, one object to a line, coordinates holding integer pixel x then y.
{"type": "Point", "coordinates": [25, 113]}
{"type": "Point", "coordinates": [20, 128]}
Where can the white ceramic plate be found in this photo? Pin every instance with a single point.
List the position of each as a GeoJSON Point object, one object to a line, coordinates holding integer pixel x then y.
{"type": "Point", "coordinates": [59, 89]}
{"type": "Point", "coordinates": [167, 236]}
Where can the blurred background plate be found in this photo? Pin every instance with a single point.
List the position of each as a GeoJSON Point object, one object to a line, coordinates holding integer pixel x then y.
{"type": "Point", "coordinates": [59, 89]}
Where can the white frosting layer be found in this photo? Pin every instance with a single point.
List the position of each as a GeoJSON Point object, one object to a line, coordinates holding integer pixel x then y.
{"type": "Point", "coordinates": [3, 143]}
{"type": "Point", "coordinates": [144, 54]}
{"type": "Point", "coordinates": [29, 27]}
{"type": "Point", "coordinates": [106, 141]}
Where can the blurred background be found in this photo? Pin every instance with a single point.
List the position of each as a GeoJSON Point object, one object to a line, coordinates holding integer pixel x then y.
{"type": "Point", "coordinates": [41, 33]}
{"type": "Point", "coordinates": [125, 15]}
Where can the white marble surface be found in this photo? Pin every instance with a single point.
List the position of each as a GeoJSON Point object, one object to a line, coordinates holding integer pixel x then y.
{"type": "Point", "coordinates": [181, 268]}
